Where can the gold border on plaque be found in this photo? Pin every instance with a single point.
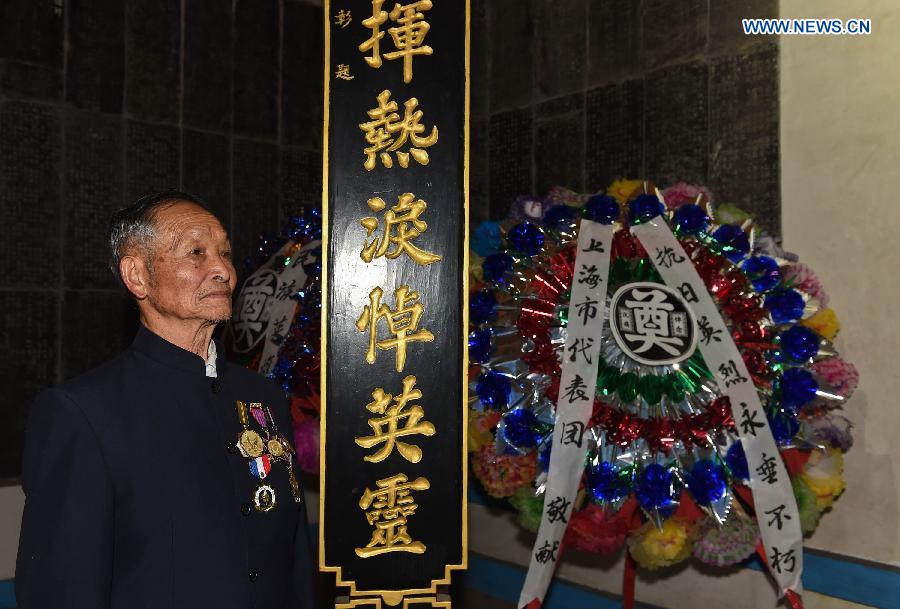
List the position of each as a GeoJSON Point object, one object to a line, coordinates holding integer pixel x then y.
{"type": "Point", "coordinates": [375, 602]}
{"type": "Point", "coordinates": [394, 597]}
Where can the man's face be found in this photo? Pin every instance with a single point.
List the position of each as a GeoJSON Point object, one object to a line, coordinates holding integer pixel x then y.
{"type": "Point", "coordinates": [192, 275]}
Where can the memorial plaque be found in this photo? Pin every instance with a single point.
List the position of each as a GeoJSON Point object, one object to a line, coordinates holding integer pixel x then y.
{"type": "Point", "coordinates": [393, 478]}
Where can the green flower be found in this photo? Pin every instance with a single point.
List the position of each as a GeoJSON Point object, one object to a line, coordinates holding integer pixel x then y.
{"type": "Point", "coordinates": [529, 508]}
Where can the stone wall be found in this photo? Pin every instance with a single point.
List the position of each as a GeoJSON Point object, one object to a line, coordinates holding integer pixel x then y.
{"type": "Point", "coordinates": [579, 92]}
{"type": "Point", "coordinates": [102, 101]}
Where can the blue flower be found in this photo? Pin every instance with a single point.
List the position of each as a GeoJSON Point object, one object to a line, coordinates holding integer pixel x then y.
{"type": "Point", "coordinates": [656, 489]}
{"type": "Point", "coordinates": [644, 208]}
{"type": "Point", "coordinates": [493, 389]}
{"type": "Point", "coordinates": [602, 208]}
{"type": "Point", "coordinates": [486, 239]}
{"type": "Point", "coordinates": [526, 238]}
{"type": "Point", "coordinates": [706, 481]}
{"type": "Point", "coordinates": [690, 219]}
{"type": "Point", "coordinates": [734, 240]}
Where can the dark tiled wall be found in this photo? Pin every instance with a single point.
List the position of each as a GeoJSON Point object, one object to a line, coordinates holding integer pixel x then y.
{"type": "Point", "coordinates": [102, 101]}
{"type": "Point", "coordinates": [579, 92]}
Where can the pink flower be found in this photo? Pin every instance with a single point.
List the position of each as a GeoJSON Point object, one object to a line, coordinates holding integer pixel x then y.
{"type": "Point", "coordinates": [682, 193]}
{"type": "Point", "coordinates": [728, 544]}
{"type": "Point", "coordinates": [501, 475]}
{"type": "Point", "coordinates": [839, 374]}
{"type": "Point", "coordinates": [559, 195]}
{"type": "Point", "coordinates": [306, 441]}
{"type": "Point", "coordinates": [803, 278]}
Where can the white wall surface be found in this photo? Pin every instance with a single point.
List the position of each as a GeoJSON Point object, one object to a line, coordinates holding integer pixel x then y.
{"type": "Point", "coordinates": [840, 184]}
{"type": "Point", "coordinates": [12, 500]}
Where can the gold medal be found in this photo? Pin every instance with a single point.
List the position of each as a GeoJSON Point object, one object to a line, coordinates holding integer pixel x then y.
{"type": "Point", "coordinates": [251, 444]}
{"type": "Point", "coordinates": [264, 498]}
{"type": "Point", "coordinates": [276, 449]}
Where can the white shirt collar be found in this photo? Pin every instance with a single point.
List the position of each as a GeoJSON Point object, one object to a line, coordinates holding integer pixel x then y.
{"type": "Point", "coordinates": [211, 360]}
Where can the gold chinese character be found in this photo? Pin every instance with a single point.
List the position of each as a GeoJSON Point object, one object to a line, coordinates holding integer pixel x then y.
{"type": "Point", "coordinates": [396, 426]}
{"type": "Point", "coordinates": [401, 226]}
{"type": "Point", "coordinates": [402, 323]}
{"type": "Point", "coordinates": [408, 36]}
{"type": "Point", "coordinates": [343, 72]}
{"type": "Point", "coordinates": [387, 132]}
{"type": "Point", "coordinates": [391, 504]}
{"type": "Point", "coordinates": [342, 18]}
{"type": "Point", "coordinates": [374, 23]}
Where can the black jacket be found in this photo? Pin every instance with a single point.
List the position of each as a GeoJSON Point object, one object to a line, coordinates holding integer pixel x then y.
{"type": "Point", "coordinates": [136, 496]}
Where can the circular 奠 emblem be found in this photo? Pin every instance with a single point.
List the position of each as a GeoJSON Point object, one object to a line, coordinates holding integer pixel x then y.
{"type": "Point", "coordinates": [252, 309]}
{"type": "Point", "coordinates": [652, 324]}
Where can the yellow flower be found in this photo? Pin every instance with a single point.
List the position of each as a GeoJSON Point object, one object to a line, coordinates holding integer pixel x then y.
{"type": "Point", "coordinates": [476, 273]}
{"type": "Point", "coordinates": [824, 322]}
{"type": "Point", "coordinates": [480, 430]}
{"type": "Point", "coordinates": [824, 476]}
{"type": "Point", "coordinates": [729, 213]}
{"type": "Point", "coordinates": [622, 189]}
{"type": "Point", "coordinates": [653, 548]}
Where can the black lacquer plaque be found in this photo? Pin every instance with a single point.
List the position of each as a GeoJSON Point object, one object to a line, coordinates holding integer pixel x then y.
{"type": "Point", "coordinates": [392, 521]}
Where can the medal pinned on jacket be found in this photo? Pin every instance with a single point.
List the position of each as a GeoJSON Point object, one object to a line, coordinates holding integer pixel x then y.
{"type": "Point", "coordinates": [263, 452]}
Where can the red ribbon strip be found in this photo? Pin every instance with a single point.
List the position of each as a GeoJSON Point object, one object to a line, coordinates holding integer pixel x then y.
{"type": "Point", "coordinates": [628, 582]}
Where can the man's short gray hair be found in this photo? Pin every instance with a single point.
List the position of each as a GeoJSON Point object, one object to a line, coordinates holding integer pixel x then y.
{"type": "Point", "coordinates": [134, 226]}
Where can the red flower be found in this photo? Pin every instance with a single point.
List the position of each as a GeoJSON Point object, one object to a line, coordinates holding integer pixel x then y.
{"type": "Point", "coordinates": [596, 530]}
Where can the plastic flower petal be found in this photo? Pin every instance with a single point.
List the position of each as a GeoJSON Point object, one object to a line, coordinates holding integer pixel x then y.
{"type": "Point", "coordinates": [486, 239]}
{"type": "Point", "coordinates": [306, 442]}
{"type": "Point", "coordinates": [655, 548]}
{"type": "Point", "coordinates": [501, 475]}
{"type": "Point", "coordinates": [809, 509]}
{"type": "Point", "coordinates": [622, 189]}
{"type": "Point", "coordinates": [529, 508]}
{"type": "Point", "coordinates": [841, 375]}
{"type": "Point", "coordinates": [728, 544]}
{"type": "Point", "coordinates": [824, 475]}
{"type": "Point", "coordinates": [683, 193]}
{"type": "Point", "coordinates": [824, 322]}
{"type": "Point", "coordinates": [802, 278]}
{"type": "Point", "coordinates": [597, 530]}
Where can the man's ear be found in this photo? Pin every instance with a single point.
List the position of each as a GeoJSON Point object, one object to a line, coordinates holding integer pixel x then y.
{"type": "Point", "coordinates": [135, 275]}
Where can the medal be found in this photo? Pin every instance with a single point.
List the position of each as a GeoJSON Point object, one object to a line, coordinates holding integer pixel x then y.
{"type": "Point", "coordinates": [249, 442]}
{"type": "Point", "coordinates": [276, 448]}
{"type": "Point", "coordinates": [262, 452]}
{"type": "Point", "coordinates": [264, 498]}
{"type": "Point", "coordinates": [278, 445]}
{"type": "Point", "coordinates": [261, 466]}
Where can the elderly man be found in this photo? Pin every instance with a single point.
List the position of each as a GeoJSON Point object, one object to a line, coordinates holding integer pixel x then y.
{"type": "Point", "coordinates": [164, 478]}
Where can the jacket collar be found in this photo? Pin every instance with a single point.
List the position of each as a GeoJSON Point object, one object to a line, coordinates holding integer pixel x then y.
{"type": "Point", "coordinates": [159, 349]}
